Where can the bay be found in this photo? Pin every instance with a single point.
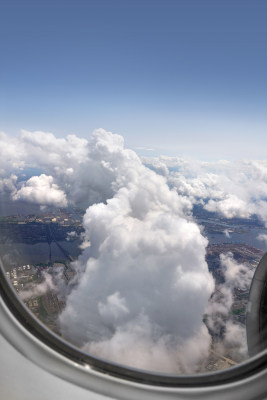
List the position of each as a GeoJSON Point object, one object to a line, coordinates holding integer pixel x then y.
{"type": "Point", "coordinates": [19, 254]}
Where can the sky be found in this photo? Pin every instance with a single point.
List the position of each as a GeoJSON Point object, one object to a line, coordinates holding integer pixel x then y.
{"type": "Point", "coordinates": [185, 78]}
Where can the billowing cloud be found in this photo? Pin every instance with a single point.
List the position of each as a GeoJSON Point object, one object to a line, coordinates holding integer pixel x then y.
{"type": "Point", "coordinates": [233, 189]}
{"type": "Point", "coordinates": [12, 154]}
{"type": "Point", "coordinates": [142, 284]}
{"type": "Point", "coordinates": [231, 206]}
{"type": "Point", "coordinates": [82, 170]}
{"type": "Point", "coordinates": [143, 258]}
{"type": "Point", "coordinates": [73, 164]}
{"type": "Point", "coordinates": [143, 265]}
{"type": "Point", "coordinates": [42, 190]}
{"type": "Point", "coordinates": [11, 160]}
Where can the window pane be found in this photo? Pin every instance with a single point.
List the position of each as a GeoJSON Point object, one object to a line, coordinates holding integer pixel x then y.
{"type": "Point", "coordinates": [142, 261]}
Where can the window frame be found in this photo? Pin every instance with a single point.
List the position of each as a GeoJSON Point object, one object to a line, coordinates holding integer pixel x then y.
{"type": "Point", "coordinates": [17, 318]}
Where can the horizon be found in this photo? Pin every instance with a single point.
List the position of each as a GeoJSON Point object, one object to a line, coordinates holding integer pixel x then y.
{"type": "Point", "coordinates": [157, 266]}
{"type": "Point", "coordinates": [186, 78]}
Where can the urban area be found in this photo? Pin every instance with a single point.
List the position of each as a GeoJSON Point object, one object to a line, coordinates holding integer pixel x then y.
{"type": "Point", "coordinates": [64, 227]}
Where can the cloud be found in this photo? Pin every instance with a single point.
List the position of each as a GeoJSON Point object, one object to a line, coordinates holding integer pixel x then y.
{"type": "Point", "coordinates": [231, 206]}
{"type": "Point", "coordinates": [144, 262]}
{"type": "Point", "coordinates": [236, 275]}
{"type": "Point", "coordinates": [73, 163]}
{"type": "Point", "coordinates": [262, 237]}
{"type": "Point", "coordinates": [230, 335]}
{"type": "Point", "coordinates": [83, 170]}
{"type": "Point", "coordinates": [8, 184]}
{"type": "Point", "coordinates": [12, 154]}
{"type": "Point", "coordinates": [143, 257]}
{"type": "Point", "coordinates": [142, 284]}
{"type": "Point", "coordinates": [233, 189]}
{"type": "Point", "coordinates": [42, 190]}
{"type": "Point", "coordinates": [71, 235]}
{"type": "Point", "coordinates": [227, 234]}
{"type": "Point", "coordinates": [39, 289]}
{"type": "Point", "coordinates": [235, 339]}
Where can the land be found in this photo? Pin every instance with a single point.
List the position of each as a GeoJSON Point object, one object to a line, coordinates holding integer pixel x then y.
{"type": "Point", "coordinates": [58, 226]}
{"type": "Point", "coordinates": [66, 225]}
{"type": "Point", "coordinates": [32, 229]}
{"type": "Point", "coordinates": [45, 306]}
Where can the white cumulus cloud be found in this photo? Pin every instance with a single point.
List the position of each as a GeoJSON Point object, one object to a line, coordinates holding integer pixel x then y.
{"type": "Point", "coordinates": [42, 190]}
{"type": "Point", "coordinates": [144, 265]}
{"type": "Point", "coordinates": [231, 188]}
{"type": "Point", "coordinates": [142, 284]}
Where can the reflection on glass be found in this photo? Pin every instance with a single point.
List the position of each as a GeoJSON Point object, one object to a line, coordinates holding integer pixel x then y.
{"type": "Point", "coordinates": [142, 261]}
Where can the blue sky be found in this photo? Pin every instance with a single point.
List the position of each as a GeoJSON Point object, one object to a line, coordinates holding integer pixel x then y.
{"type": "Point", "coordinates": [185, 78]}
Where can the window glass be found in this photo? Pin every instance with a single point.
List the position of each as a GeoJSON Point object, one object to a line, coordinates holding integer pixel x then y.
{"type": "Point", "coordinates": [136, 242]}
{"type": "Point", "coordinates": [143, 261]}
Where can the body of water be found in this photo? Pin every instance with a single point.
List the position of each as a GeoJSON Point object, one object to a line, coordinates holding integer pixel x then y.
{"type": "Point", "coordinates": [250, 238]}
{"type": "Point", "coordinates": [9, 207]}
{"type": "Point", "coordinates": [19, 254]}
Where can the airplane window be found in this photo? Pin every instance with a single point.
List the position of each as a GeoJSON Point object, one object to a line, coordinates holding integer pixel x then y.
{"type": "Point", "coordinates": [135, 255]}
{"type": "Point", "coordinates": [141, 263]}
